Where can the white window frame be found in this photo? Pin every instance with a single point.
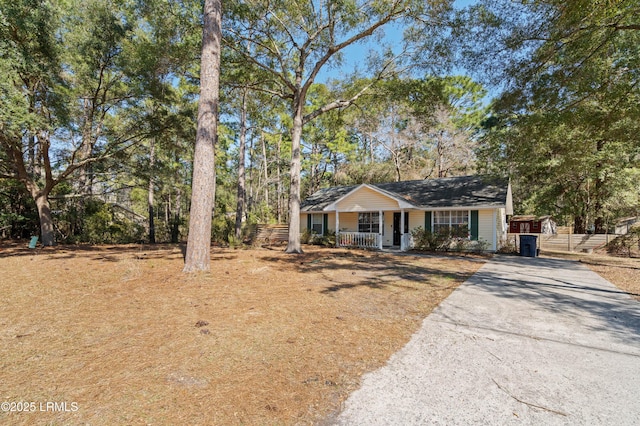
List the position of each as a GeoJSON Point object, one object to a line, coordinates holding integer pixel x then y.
{"type": "Point", "coordinates": [314, 222]}
{"type": "Point", "coordinates": [449, 218]}
{"type": "Point", "coordinates": [370, 222]}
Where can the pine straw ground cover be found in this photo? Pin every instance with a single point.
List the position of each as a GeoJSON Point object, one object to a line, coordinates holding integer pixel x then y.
{"type": "Point", "coordinates": [118, 335]}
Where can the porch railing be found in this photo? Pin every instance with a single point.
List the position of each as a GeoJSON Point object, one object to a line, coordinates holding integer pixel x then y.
{"type": "Point", "coordinates": [406, 242]}
{"type": "Point", "coordinates": [359, 239]}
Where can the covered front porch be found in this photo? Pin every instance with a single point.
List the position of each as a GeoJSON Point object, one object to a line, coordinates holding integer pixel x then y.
{"type": "Point", "coordinates": [373, 230]}
{"type": "Point", "coordinates": [368, 217]}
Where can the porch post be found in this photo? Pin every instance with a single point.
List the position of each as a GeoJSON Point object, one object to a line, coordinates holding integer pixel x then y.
{"type": "Point", "coordinates": [380, 225]}
{"type": "Point", "coordinates": [402, 247]}
{"type": "Point", "coordinates": [494, 243]}
{"type": "Point", "coordinates": [337, 228]}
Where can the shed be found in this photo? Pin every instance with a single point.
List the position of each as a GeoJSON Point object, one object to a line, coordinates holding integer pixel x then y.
{"type": "Point", "coordinates": [529, 224]}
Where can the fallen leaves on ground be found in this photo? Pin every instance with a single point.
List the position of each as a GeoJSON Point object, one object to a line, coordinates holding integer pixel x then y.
{"type": "Point", "coordinates": [264, 338]}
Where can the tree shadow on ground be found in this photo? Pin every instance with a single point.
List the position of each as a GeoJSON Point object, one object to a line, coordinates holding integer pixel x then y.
{"type": "Point", "coordinates": [109, 253]}
{"type": "Point", "coordinates": [346, 270]}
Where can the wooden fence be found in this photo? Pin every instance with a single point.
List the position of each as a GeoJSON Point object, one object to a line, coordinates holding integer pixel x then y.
{"type": "Point", "coordinates": [270, 234]}
{"type": "Point", "coordinates": [567, 242]}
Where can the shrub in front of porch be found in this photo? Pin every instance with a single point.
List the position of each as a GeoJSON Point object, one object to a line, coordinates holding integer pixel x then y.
{"type": "Point", "coordinates": [446, 240]}
{"type": "Point", "coordinates": [310, 237]}
{"type": "Point", "coordinates": [430, 241]}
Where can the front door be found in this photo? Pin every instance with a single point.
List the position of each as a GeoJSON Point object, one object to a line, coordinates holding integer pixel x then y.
{"type": "Point", "coordinates": [396, 229]}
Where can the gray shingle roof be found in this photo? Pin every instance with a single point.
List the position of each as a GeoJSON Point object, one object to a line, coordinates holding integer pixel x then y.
{"type": "Point", "coordinates": [464, 191]}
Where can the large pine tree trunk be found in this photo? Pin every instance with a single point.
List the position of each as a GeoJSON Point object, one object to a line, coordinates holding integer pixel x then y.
{"type": "Point", "coordinates": [84, 173]}
{"type": "Point", "coordinates": [279, 182]}
{"type": "Point", "coordinates": [293, 245]}
{"type": "Point", "coordinates": [46, 220]}
{"type": "Point", "coordinates": [241, 168]}
{"type": "Point", "coordinates": [198, 256]}
{"type": "Point", "coordinates": [600, 193]}
{"type": "Point", "coordinates": [39, 195]}
{"type": "Point", "coordinates": [150, 195]}
{"type": "Point", "coordinates": [266, 171]}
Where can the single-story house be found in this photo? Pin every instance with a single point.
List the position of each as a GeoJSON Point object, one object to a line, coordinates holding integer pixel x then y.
{"type": "Point", "coordinates": [529, 224]}
{"type": "Point", "coordinates": [384, 214]}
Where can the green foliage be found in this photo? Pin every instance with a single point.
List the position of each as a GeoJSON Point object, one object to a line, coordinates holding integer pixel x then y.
{"type": "Point", "coordinates": [446, 240]}
{"type": "Point", "coordinates": [18, 216]}
{"type": "Point", "coordinates": [627, 245]}
{"type": "Point", "coordinates": [360, 172]}
{"type": "Point", "coordinates": [571, 165]}
{"type": "Point", "coordinates": [430, 241]}
{"type": "Point", "coordinates": [306, 237]}
{"type": "Point", "coordinates": [104, 225]}
{"type": "Point", "coordinates": [260, 213]}
{"type": "Point", "coordinates": [222, 229]}
{"type": "Point", "coordinates": [100, 76]}
{"type": "Point", "coordinates": [565, 130]}
{"type": "Point", "coordinates": [480, 246]}
{"type": "Point", "coordinates": [326, 240]}
{"type": "Point", "coordinates": [15, 225]}
{"type": "Point", "coordinates": [29, 55]}
{"type": "Point", "coordinates": [420, 128]}
{"type": "Point", "coordinates": [85, 82]}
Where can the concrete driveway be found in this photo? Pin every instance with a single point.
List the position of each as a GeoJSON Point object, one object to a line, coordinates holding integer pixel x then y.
{"type": "Point", "coordinates": [523, 341]}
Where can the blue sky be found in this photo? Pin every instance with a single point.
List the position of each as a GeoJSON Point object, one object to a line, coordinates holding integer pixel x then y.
{"type": "Point", "coordinates": [355, 55]}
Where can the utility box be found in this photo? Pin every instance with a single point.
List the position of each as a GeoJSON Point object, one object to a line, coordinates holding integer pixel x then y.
{"type": "Point", "coordinates": [528, 245]}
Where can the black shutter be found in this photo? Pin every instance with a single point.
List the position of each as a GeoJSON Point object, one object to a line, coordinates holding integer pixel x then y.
{"type": "Point", "coordinates": [427, 221]}
{"type": "Point", "coordinates": [474, 225]}
{"type": "Point", "coordinates": [325, 224]}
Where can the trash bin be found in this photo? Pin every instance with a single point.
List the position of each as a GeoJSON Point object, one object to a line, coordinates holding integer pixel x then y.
{"type": "Point", "coordinates": [528, 245]}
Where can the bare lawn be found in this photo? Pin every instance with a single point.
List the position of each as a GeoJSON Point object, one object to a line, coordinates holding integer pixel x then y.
{"type": "Point", "coordinates": [119, 335]}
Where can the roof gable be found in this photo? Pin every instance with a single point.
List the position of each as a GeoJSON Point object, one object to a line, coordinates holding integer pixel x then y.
{"type": "Point", "coordinates": [368, 197]}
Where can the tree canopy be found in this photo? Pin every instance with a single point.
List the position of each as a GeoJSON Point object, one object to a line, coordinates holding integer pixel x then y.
{"type": "Point", "coordinates": [565, 124]}
{"type": "Point", "coordinates": [99, 109]}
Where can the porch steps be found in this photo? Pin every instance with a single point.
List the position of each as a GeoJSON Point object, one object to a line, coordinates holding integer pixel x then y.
{"type": "Point", "coordinates": [270, 234]}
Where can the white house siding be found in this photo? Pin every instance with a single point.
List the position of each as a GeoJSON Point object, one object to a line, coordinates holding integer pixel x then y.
{"type": "Point", "coordinates": [332, 221]}
{"type": "Point", "coordinates": [366, 200]}
{"type": "Point", "coordinates": [348, 222]}
{"type": "Point", "coordinates": [501, 226]}
{"type": "Point", "coordinates": [416, 218]}
{"type": "Point", "coordinates": [331, 218]}
{"type": "Point", "coordinates": [485, 225]}
{"type": "Point", "coordinates": [387, 238]}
